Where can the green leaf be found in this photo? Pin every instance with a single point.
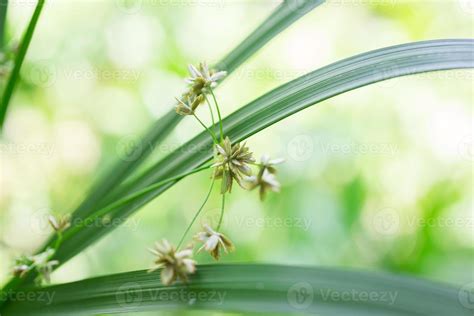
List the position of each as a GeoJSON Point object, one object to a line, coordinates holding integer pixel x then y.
{"type": "Point", "coordinates": [280, 103]}
{"type": "Point", "coordinates": [22, 49]}
{"type": "Point", "coordinates": [285, 15]}
{"type": "Point", "coordinates": [3, 21]}
{"type": "Point", "coordinates": [248, 288]}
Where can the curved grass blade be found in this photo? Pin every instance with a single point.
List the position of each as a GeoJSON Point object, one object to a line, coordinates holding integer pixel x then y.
{"type": "Point", "coordinates": [249, 288]}
{"type": "Point", "coordinates": [282, 102]}
{"type": "Point", "coordinates": [20, 56]}
{"type": "Point", "coordinates": [285, 15]}
{"type": "Point", "coordinates": [3, 21]}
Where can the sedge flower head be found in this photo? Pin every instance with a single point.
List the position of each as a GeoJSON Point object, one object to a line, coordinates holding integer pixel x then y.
{"type": "Point", "coordinates": [213, 242]}
{"type": "Point", "coordinates": [265, 180]}
{"type": "Point", "coordinates": [188, 104]}
{"type": "Point", "coordinates": [202, 77]}
{"type": "Point", "coordinates": [174, 264]}
{"type": "Point", "coordinates": [232, 163]}
{"type": "Point", "coordinates": [41, 262]}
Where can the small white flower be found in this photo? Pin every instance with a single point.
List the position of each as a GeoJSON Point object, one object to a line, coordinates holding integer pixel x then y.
{"type": "Point", "coordinates": [265, 179]}
{"type": "Point", "coordinates": [188, 104]}
{"type": "Point", "coordinates": [60, 224]}
{"type": "Point", "coordinates": [231, 163]}
{"type": "Point", "coordinates": [41, 262]}
{"type": "Point", "coordinates": [270, 164]}
{"type": "Point", "coordinates": [212, 241]}
{"type": "Point", "coordinates": [202, 77]}
{"type": "Point", "coordinates": [175, 264]}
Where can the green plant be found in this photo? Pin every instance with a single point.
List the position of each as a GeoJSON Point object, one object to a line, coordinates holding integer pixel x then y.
{"type": "Point", "coordinates": [115, 198]}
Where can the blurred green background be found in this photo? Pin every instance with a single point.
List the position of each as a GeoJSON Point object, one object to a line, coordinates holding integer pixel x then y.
{"type": "Point", "coordinates": [377, 179]}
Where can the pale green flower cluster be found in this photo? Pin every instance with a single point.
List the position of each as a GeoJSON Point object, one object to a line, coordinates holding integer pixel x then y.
{"type": "Point", "coordinates": [232, 162]}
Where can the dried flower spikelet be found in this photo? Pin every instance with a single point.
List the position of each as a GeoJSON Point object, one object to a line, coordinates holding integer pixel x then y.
{"type": "Point", "coordinates": [22, 266]}
{"type": "Point", "coordinates": [59, 224]}
{"type": "Point", "coordinates": [44, 265]}
{"type": "Point", "coordinates": [188, 104]}
{"type": "Point", "coordinates": [174, 264]}
{"type": "Point", "coordinates": [213, 241]}
{"type": "Point", "coordinates": [265, 179]}
{"type": "Point", "coordinates": [202, 77]}
{"type": "Point", "coordinates": [41, 262]}
{"type": "Point", "coordinates": [232, 163]}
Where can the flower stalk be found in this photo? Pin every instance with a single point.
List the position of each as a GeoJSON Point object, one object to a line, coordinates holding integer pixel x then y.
{"type": "Point", "coordinates": [232, 162]}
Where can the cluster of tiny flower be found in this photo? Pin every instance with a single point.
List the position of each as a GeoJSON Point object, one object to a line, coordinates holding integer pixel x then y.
{"type": "Point", "coordinates": [42, 262]}
{"type": "Point", "coordinates": [232, 162]}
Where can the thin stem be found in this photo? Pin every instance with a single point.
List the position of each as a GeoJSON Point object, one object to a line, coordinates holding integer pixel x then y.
{"type": "Point", "coordinates": [23, 48]}
{"type": "Point", "coordinates": [210, 109]}
{"type": "Point", "coordinates": [197, 213]}
{"type": "Point", "coordinates": [126, 200]}
{"type": "Point", "coordinates": [222, 213]}
{"type": "Point", "coordinates": [218, 114]}
{"type": "Point", "coordinates": [59, 240]}
{"type": "Point", "coordinates": [214, 138]}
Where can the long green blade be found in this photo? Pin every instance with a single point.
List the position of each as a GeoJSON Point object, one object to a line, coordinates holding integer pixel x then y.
{"type": "Point", "coordinates": [3, 21]}
{"type": "Point", "coordinates": [249, 288]}
{"type": "Point", "coordinates": [287, 13]}
{"type": "Point", "coordinates": [23, 48]}
{"type": "Point", "coordinates": [282, 102]}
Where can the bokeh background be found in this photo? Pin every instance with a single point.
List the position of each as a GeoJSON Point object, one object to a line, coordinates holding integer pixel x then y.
{"type": "Point", "coordinates": [378, 179]}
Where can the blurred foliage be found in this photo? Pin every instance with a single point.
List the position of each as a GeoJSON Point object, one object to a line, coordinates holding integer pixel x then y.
{"type": "Point", "coordinates": [380, 178]}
